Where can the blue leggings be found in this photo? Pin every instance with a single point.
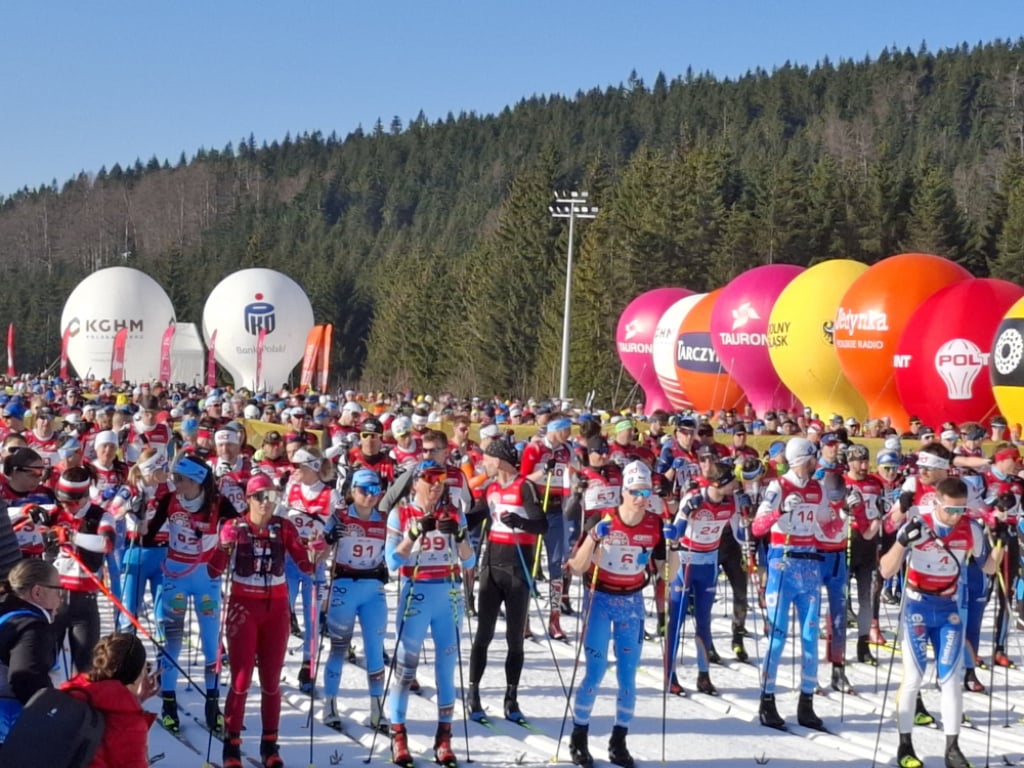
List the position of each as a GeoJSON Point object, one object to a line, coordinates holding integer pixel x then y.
{"type": "Point", "coordinates": [114, 561]}
{"type": "Point", "coordinates": [619, 618]}
{"type": "Point", "coordinates": [702, 580]}
{"type": "Point", "coordinates": [928, 619]}
{"type": "Point", "coordinates": [304, 582]}
{"type": "Point", "coordinates": [977, 592]}
{"type": "Point", "coordinates": [142, 566]}
{"type": "Point", "coordinates": [351, 598]}
{"type": "Point", "coordinates": [792, 581]}
{"type": "Point", "coordinates": [833, 578]}
{"type": "Point", "coordinates": [437, 606]}
{"type": "Point", "coordinates": [180, 584]}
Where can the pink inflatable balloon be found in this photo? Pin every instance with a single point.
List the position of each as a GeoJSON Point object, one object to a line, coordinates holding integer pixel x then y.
{"type": "Point", "coordinates": [741, 334]}
{"type": "Point", "coordinates": [941, 361]}
{"type": "Point", "coordinates": [634, 339]}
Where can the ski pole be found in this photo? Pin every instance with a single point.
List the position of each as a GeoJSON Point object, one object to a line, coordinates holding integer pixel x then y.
{"type": "Point", "coordinates": [398, 643]}
{"type": "Point", "coordinates": [540, 539]}
{"type": "Point", "coordinates": [453, 598]}
{"type": "Point", "coordinates": [888, 678]}
{"type": "Point", "coordinates": [540, 613]}
{"type": "Point", "coordinates": [314, 660]}
{"type": "Point", "coordinates": [130, 616]}
{"type": "Point", "coordinates": [576, 663]}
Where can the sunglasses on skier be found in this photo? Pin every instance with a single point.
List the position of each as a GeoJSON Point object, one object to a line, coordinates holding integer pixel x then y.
{"type": "Point", "coordinates": [954, 509]}
{"type": "Point", "coordinates": [433, 478]}
{"type": "Point", "coordinates": [640, 493]}
{"type": "Point", "coordinates": [262, 496]}
{"type": "Point", "coordinates": [369, 490]}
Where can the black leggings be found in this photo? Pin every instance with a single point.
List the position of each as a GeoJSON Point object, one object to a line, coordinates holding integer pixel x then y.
{"type": "Point", "coordinates": [730, 560]}
{"type": "Point", "coordinates": [497, 586]}
{"type": "Point", "coordinates": [79, 618]}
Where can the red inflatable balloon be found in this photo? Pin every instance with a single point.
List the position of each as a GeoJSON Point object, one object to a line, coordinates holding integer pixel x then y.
{"type": "Point", "coordinates": [871, 318]}
{"type": "Point", "coordinates": [705, 383]}
{"type": "Point", "coordinates": [941, 362]}
{"type": "Point", "coordinates": [634, 338]}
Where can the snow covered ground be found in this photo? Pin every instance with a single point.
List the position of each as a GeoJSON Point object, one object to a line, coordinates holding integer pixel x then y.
{"type": "Point", "coordinates": [695, 730]}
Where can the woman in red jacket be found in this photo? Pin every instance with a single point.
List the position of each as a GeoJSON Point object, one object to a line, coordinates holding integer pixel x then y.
{"type": "Point", "coordinates": [117, 685]}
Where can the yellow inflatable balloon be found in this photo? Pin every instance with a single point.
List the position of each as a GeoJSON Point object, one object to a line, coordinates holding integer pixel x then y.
{"type": "Point", "coordinates": [800, 339]}
{"type": "Point", "coordinates": [1006, 365]}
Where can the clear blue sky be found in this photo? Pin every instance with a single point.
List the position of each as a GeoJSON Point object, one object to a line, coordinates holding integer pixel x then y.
{"type": "Point", "coordinates": [88, 84]}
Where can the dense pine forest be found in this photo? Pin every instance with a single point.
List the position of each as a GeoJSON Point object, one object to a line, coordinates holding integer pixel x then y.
{"type": "Point", "coordinates": [428, 242]}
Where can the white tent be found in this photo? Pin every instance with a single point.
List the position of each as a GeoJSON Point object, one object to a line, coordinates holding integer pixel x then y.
{"type": "Point", "coordinates": [188, 355]}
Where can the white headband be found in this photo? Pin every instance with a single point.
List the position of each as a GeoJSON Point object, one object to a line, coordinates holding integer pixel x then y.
{"type": "Point", "coordinates": [931, 461]}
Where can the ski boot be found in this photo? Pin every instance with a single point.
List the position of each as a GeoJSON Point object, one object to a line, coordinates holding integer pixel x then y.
{"type": "Point", "coordinates": [295, 628]}
{"type": "Point", "coordinates": [921, 714]}
{"type": "Point", "coordinates": [713, 657]}
{"type": "Point", "coordinates": [972, 683]}
{"type": "Point", "coordinates": [554, 627]}
{"type": "Point", "coordinates": [674, 686]}
{"type": "Point", "coordinates": [400, 747]}
{"type": "Point", "coordinates": [169, 719]}
{"type": "Point", "coordinates": [617, 752]}
{"type": "Point", "coordinates": [1000, 659]}
{"type": "Point", "coordinates": [565, 605]}
{"type": "Point", "coordinates": [905, 756]}
{"type": "Point", "coordinates": [231, 756]}
{"type": "Point", "coordinates": [704, 684]}
{"type": "Point", "coordinates": [840, 682]}
{"type": "Point", "coordinates": [305, 683]}
{"type": "Point", "coordinates": [443, 754]}
{"type": "Point", "coordinates": [737, 646]}
{"type": "Point", "coordinates": [214, 717]}
{"type": "Point", "coordinates": [269, 755]}
{"type": "Point", "coordinates": [377, 720]}
{"type": "Point", "coordinates": [805, 713]}
{"type": "Point", "coordinates": [954, 757]}
{"type": "Point", "coordinates": [875, 636]}
{"type": "Point", "coordinates": [512, 711]}
{"type": "Point", "coordinates": [578, 749]}
{"type": "Point", "coordinates": [864, 655]}
{"type": "Point", "coordinates": [769, 714]}
{"type": "Point", "coordinates": [331, 718]}
{"type": "Point", "coordinates": [476, 709]}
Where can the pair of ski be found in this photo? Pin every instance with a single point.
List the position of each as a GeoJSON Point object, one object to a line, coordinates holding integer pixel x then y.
{"type": "Point", "coordinates": [481, 718]}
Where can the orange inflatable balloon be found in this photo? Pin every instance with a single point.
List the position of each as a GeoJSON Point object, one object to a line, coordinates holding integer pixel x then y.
{"type": "Point", "coordinates": [705, 383]}
{"type": "Point", "coordinates": [872, 316]}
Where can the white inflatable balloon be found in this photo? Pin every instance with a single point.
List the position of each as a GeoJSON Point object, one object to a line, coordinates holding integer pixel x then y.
{"type": "Point", "coordinates": [663, 349]}
{"type": "Point", "coordinates": [104, 303]}
{"type": "Point", "coordinates": [240, 306]}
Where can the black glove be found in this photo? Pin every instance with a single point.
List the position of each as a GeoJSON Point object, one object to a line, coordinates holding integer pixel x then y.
{"type": "Point", "coordinates": [911, 533]}
{"type": "Point", "coordinates": [512, 520]}
{"type": "Point", "coordinates": [581, 483]}
{"type": "Point", "coordinates": [906, 501]}
{"type": "Point", "coordinates": [1006, 501]}
{"type": "Point", "coordinates": [332, 536]}
{"type": "Point", "coordinates": [449, 526]}
{"type": "Point", "coordinates": [137, 505]}
{"type": "Point", "coordinates": [550, 466]}
{"type": "Point", "coordinates": [39, 515]}
{"type": "Point", "coordinates": [427, 523]}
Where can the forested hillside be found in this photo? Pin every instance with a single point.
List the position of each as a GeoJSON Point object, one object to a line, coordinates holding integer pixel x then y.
{"type": "Point", "coordinates": [430, 247]}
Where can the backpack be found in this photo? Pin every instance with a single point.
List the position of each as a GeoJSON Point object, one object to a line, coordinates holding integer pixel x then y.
{"type": "Point", "coordinates": [10, 708]}
{"type": "Point", "coordinates": [50, 713]}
